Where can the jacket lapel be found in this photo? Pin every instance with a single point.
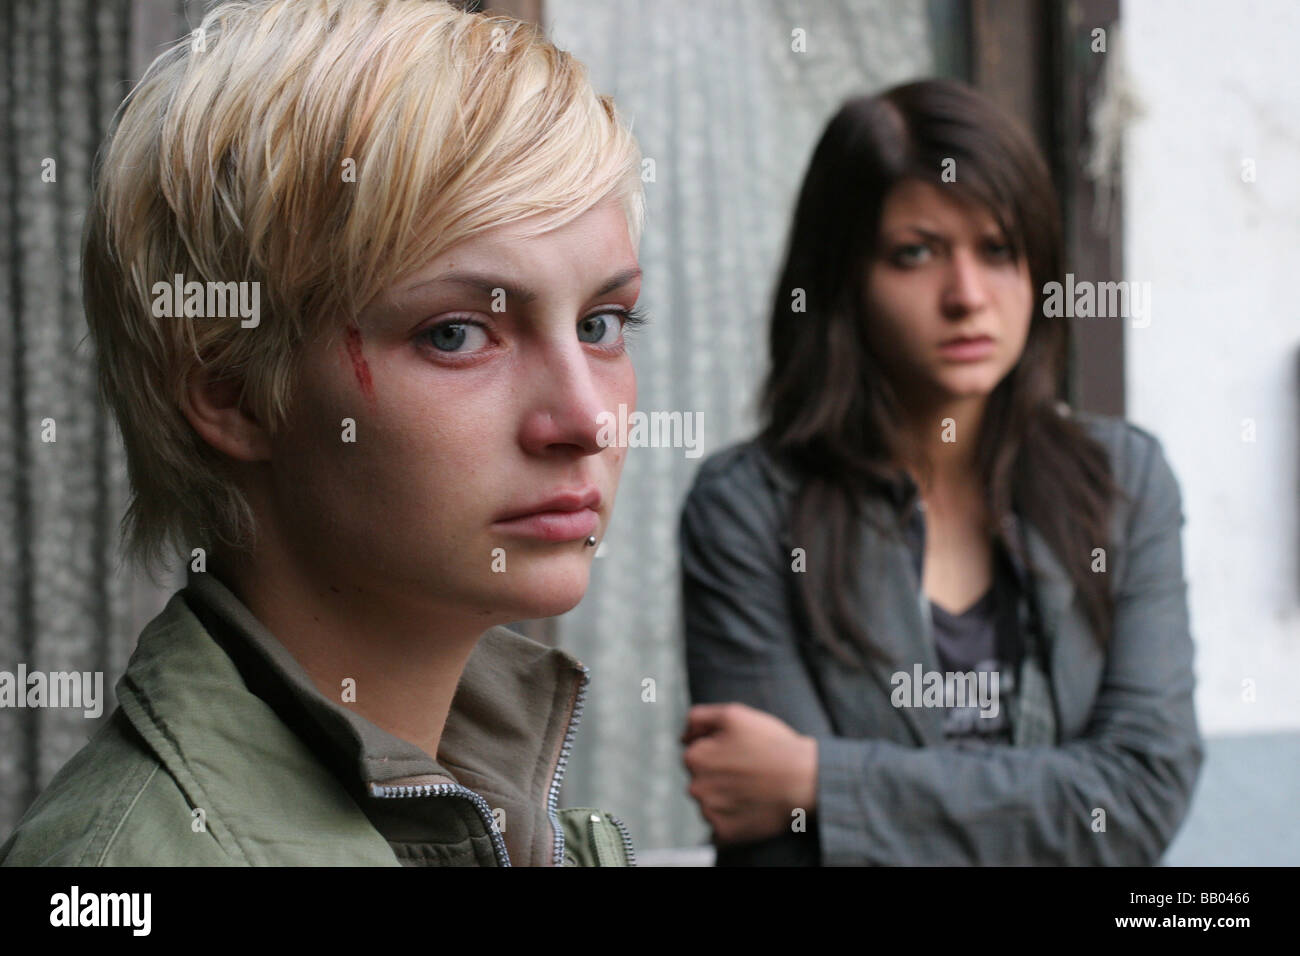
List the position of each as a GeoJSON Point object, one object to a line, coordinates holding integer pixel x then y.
{"type": "Point", "coordinates": [893, 609]}
{"type": "Point", "coordinates": [504, 737]}
{"type": "Point", "coordinates": [234, 758]}
{"type": "Point", "coordinates": [895, 616]}
{"type": "Point", "coordinates": [1076, 661]}
{"type": "Point", "coordinates": [508, 733]}
{"type": "Point", "coordinates": [895, 612]}
{"type": "Point", "coordinates": [888, 602]}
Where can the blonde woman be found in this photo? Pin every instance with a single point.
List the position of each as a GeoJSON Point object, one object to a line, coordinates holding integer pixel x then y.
{"type": "Point", "coordinates": [358, 275]}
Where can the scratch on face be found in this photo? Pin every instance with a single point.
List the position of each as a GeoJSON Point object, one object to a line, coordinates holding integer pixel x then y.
{"type": "Point", "coordinates": [359, 367]}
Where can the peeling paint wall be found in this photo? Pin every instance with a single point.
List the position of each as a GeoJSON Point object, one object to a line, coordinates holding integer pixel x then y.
{"type": "Point", "coordinates": [1212, 221]}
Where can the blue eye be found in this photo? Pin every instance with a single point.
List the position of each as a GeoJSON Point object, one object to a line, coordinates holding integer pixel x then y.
{"type": "Point", "coordinates": [1000, 250]}
{"type": "Point", "coordinates": [911, 254]}
{"type": "Point", "coordinates": [607, 328]}
{"type": "Point", "coordinates": [453, 336]}
{"type": "Point", "coordinates": [597, 329]}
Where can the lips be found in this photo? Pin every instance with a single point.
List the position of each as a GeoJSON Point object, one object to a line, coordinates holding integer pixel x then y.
{"type": "Point", "coordinates": [961, 339]}
{"type": "Point", "coordinates": [967, 348]}
{"type": "Point", "coordinates": [565, 516]}
{"type": "Point", "coordinates": [576, 500]}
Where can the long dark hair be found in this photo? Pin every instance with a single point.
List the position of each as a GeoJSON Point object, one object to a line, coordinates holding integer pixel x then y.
{"type": "Point", "coordinates": [828, 408]}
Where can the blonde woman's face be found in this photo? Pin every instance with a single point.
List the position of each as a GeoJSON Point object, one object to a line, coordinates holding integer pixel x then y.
{"type": "Point", "coordinates": [475, 388]}
{"type": "Point", "coordinates": [943, 271]}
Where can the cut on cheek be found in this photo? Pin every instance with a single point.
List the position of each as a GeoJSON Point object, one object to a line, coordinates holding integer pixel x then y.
{"type": "Point", "coordinates": [359, 367]}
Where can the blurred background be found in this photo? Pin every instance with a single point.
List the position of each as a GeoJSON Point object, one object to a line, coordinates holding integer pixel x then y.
{"type": "Point", "coordinates": [1173, 131]}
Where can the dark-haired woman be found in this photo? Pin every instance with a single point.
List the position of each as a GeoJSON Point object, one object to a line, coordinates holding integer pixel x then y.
{"type": "Point", "coordinates": [933, 615]}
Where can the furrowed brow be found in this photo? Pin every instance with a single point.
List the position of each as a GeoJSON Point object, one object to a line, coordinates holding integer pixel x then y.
{"type": "Point", "coordinates": [486, 284]}
{"type": "Point", "coordinates": [489, 284]}
{"type": "Point", "coordinates": [618, 280]}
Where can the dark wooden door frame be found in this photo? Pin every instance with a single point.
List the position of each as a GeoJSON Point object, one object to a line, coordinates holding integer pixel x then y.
{"type": "Point", "coordinates": [1036, 58]}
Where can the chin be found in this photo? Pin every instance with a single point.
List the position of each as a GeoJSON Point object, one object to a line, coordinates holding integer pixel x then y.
{"type": "Point", "coordinates": [971, 385]}
{"type": "Point", "coordinates": [547, 587]}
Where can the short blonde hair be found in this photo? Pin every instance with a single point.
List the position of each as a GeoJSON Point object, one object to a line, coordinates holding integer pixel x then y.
{"type": "Point", "coordinates": [323, 149]}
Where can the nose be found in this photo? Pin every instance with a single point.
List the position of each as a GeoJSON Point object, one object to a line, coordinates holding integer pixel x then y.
{"type": "Point", "coordinates": [562, 402]}
{"type": "Point", "coordinates": [964, 291]}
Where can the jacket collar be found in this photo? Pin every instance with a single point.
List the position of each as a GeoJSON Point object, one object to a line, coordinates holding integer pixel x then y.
{"type": "Point", "coordinates": [1026, 548]}
{"type": "Point", "coordinates": [506, 737]}
{"type": "Point", "coordinates": [1028, 551]}
{"type": "Point", "coordinates": [886, 565]}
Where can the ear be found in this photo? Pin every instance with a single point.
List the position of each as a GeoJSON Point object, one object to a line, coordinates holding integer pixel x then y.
{"type": "Point", "coordinates": [215, 412]}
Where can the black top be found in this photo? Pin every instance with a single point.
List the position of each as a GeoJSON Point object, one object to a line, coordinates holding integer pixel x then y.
{"type": "Point", "coordinates": [979, 652]}
{"type": "Point", "coordinates": [983, 639]}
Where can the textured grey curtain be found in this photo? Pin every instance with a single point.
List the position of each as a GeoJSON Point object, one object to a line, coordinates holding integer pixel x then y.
{"type": "Point", "coordinates": [65, 604]}
{"type": "Point", "coordinates": [62, 72]}
{"type": "Point", "coordinates": [728, 108]}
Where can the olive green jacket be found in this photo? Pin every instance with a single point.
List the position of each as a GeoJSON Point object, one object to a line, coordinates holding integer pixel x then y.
{"type": "Point", "coordinates": [223, 752]}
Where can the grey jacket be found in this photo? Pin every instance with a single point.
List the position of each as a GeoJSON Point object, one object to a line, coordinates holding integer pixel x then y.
{"type": "Point", "coordinates": [890, 790]}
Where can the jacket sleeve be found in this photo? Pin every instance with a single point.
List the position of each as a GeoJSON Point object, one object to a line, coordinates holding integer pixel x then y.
{"type": "Point", "coordinates": [740, 639]}
{"type": "Point", "coordinates": [1116, 795]}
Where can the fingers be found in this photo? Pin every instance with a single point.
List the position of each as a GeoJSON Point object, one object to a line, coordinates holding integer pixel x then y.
{"type": "Point", "coordinates": [727, 820]}
{"type": "Point", "coordinates": [703, 719]}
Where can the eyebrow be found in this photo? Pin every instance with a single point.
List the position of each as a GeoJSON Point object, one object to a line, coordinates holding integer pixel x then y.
{"type": "Point", "coordinates": [931, 235]}
{"type": "Point", "coordinates": [488, 284]}
{"type": "Point", "coordinates": [927, 234]}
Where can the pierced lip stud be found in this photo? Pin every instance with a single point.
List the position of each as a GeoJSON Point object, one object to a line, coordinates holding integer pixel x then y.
{"type": "Point", "coordinates": [591, 541]}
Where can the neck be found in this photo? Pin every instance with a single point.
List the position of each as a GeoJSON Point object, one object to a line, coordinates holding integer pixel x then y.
{"type": "Point", "coordinates": [401, 660]}
{"type": "Point", "coordinates": [943, 439]}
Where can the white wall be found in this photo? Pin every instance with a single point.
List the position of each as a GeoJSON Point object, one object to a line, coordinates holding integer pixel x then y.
{"type": "Point", "coordinates": [1218, 84]}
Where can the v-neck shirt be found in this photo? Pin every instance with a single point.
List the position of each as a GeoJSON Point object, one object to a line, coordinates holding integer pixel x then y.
{"type": "Point", "coordinates": [979, 651]}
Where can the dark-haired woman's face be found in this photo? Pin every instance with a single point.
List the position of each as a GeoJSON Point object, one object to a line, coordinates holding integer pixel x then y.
{"type": "Point", "coordinates": [942, 271]}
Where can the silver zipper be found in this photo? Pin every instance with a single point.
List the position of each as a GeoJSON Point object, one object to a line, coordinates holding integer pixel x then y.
{"type": "Point", "coordinates": [627, 839]}
{"type": "Point", "coordinates": [451, 789]}
{"type": "Point", "coordinates": [553, 795]}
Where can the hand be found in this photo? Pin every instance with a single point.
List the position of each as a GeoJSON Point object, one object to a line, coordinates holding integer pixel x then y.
{"type": "Point", "coordinates": [748, 769]}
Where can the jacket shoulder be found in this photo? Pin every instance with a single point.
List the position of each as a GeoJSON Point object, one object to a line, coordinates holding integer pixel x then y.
{"type": "Point", "coordinates": [1137, 456]}
{"type": "Point", "coordinates": [595, 838]}
{"type": "Point", "coordinates": [740, 495]}
{"type": "Point", "coordinates": [742, 486]}
{"type": "Point", "coordinates": [745, 467]}
{"type": "Point", "coordinates": [108, 806]}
